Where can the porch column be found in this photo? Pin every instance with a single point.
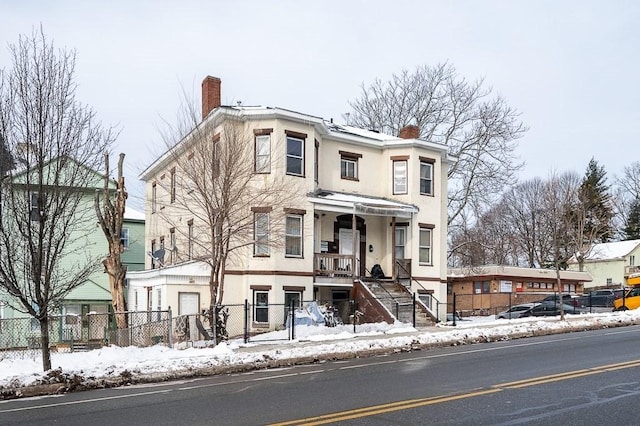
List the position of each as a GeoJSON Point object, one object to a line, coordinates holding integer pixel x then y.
{"type": "Point", "coordinates": [393, 247]}
{"type": "Point", "coordinates": [354, 242]}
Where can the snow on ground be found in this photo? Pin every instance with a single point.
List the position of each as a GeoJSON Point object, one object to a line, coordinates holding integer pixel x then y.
{"type": "Point", "coordinates": [113, 361]}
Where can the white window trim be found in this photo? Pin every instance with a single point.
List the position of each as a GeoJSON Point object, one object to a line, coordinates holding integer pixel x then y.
{"type": "Point", "coordinates": [429, 247]}
{"type": "Point", "coordinates": [346, 161]}
{"type": "Point", "coordinates": [263, 154]}
{"type": "Point", "coordinates": [400, 185]}
{"type": "Point", "coordinates": [261, 307]}
{"type": "Point", "coordinates": [300, 236]}
{"type": "Point", "coordinates": [124, 237]}
{"type": "Point", "coordinates": [295, 157]}
{"type": "Point", "coordinates": [428, 178]}
{"type": "Point", "coordinates": [261, 239]}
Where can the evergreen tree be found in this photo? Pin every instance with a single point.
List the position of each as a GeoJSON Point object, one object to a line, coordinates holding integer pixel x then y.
{"type": "Point", "coordinates": [632, 224]}
{"type": "Point", "coordinates": [595, 202]}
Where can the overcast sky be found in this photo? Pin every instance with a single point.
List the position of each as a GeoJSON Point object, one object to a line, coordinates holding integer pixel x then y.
{"type": "Point", "coordinates": [570, 67]}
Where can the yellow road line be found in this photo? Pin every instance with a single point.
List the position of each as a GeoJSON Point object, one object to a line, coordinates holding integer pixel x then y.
{"type": "Point", "coordinates": [421, 402]}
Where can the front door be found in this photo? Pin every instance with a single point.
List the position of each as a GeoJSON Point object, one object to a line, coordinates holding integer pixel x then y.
{"type": "Point", "coordinates": [346, 245]}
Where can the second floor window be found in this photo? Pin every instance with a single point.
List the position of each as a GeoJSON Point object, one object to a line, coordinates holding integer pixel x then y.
{"type": "Point", "coordinates": [172, 244]}
{"type": "Point", "coordinates": [261, 234]}
{"type": "Point", "coordinates": [293, 235]}
{"type": "Point", "coordinates": [295, 156]}
{"type": "Point", "coordinates": [349, 165]}
{"type": "Point", "coordinates": [124, 238]}
{"type": "Point", "coordinates": [400, 177]}
{"type": "Point", "coordinates": [424, 249]}
{"type": "Point", "coordinates": [37, 202]}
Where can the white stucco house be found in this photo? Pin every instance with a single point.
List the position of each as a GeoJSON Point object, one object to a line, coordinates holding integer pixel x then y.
{"type": "Point", "coordinates": [363, 198]}
{"type": "Point", "coordinates": [614, 264]}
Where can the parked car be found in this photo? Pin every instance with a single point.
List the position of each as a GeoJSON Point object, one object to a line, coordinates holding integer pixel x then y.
{"type": "Point", "coordinates": [604, 297]}
{"type": "Point", "coordinates": [550, 309]}
{"type": "Point", "coordinates": [515, 311]}
{"type": "Point", "coordinates": [568, 299]}
{"type": "Point", "coordinates": [631, 300]}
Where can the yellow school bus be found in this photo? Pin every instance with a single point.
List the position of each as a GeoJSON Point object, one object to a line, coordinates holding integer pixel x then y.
{"type": "Point", "coordinates": [631, 298]}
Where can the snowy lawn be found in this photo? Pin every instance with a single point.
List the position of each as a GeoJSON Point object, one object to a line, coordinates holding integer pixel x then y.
{"type": "Point", "coordinates": [310, 341]}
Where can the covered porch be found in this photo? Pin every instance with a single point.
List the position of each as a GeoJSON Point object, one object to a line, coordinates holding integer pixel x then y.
{"type": "Point", "coordinates": [353, 232]}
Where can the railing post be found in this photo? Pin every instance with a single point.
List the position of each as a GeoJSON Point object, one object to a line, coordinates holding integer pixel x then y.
{"type": "Point", "coordinates": [454, 309]}
{"type": "Point", "coordinates": [170, 338]}
{"type": "Point", "coordinates": [246, 320]}
{"type": "Point", "coordinates": [413, 297]}
{"type": "Point", "coordinates": [397, 310]}
{"type": "Point", "coordinates": [293, 319]}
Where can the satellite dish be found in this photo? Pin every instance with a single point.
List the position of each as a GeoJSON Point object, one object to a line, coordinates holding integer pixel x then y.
{"type": "Point", "coordinates": [159, 255]}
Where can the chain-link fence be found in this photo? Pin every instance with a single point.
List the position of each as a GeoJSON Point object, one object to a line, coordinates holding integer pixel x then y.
{"type": "Point", "coordinates": [21, 337]}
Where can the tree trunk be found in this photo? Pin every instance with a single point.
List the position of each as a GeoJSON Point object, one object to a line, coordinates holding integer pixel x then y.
{"type": "Point", "coordinates": [44, 343]}
{"type": "Point", "coordinates": [116, 285]}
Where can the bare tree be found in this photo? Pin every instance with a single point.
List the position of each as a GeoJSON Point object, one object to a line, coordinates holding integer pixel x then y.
{"type": "Point", "coordinates": [46, 218]}
{"type": "Point", "coordinates": [218, 204]}
{"type": "Point", "coordinates": [480, 129]}
{"type": "Point", "coordinates": [559, 203]}
{"type": "Point", "coordinates": [110, 217]}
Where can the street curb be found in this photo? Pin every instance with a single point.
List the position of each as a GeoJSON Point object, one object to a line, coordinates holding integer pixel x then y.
{"type": "Point", "coordinates": [74, 383]}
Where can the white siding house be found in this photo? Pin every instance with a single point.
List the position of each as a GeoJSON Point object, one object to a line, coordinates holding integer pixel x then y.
{"type": "Point", "coordinates": [392, 188]}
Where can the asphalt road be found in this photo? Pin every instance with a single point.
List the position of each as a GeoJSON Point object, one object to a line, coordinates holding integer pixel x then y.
{"type": "Point", "coordinates": [586, 378]}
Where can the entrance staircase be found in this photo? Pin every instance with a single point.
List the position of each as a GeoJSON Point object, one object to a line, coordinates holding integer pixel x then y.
{"type": "Point", "coordinates": [398, 301]}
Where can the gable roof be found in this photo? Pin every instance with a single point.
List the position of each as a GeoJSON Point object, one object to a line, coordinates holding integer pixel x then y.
{"type": "Point", "coordinates": [617, 250]}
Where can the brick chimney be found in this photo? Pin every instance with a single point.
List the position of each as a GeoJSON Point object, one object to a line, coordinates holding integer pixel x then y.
{"type": "Point", "coordinates": [409, 132]}
{"type": "Point", "coordinates": [210, 94]}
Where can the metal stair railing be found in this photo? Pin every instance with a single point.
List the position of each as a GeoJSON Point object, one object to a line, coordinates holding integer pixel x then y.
{"type": "Point", "coordinates": [418, 300]}
{"type": "Point", "coordinates": [394, 300]}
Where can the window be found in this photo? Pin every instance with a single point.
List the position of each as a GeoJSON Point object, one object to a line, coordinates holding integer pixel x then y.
{"type": "Point", "coordinates": [263, 154]}
{"type": "Point", "coordinates": [349, 165]}
{"type": "Point", "coordinates": [172, 245]}
{"type": "Point", "coordinates": [632, 260]}
{"type": "Point", "coordinates": [425, 246]}
{"type": "Point", "coordinates": [37, 206]}
{"type": "Point", "coordinates": [426, 177]}
{"type": "Point", "coordinates": [190, 239]}
{"type": "Point", "coordinates": [609, 281]}
{"type": "Point", "coordinates": [400, 242]}
{"type": "Point", "coordinates": [188, 303]}
{"type": "Point", "coordinates": [261, 306]}
{"type": "Point", "coordinates": [295, 153]}
{"type": "Point", "coordinates": [261, 234]}
{"type": "Point", "coordinates": [480, 287]}
{"type": "Point", "coordinates": [400, 177]}
{"type": "Point", "coordinates": [172, 190]}
{"type": "Point", "coordinates": [154, 198]}
{"type": "Point", "coordinates": [291, 299]}
{"type": "Point", "coordinates": [124, 238]}
{"type": "Point", "coordinates": [154, 264]}
{"type": "Point", "coordinates": [293, 235]}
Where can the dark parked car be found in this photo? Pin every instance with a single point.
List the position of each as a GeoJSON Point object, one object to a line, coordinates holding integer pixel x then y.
{"type": "Point", "coordinates": [603, 297]}
{"type": "Point", "coordinates": [550, 309]}
{"type": "Point", "coordinates": [568, 299]}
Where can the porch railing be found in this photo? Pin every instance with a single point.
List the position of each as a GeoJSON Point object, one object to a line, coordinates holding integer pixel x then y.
{"type": "Point", "coordinates": [628, 270]}
{"type": "Point", "coordinates": [333, 265]}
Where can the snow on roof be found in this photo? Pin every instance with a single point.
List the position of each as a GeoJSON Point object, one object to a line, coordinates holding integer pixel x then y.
{"type": "Point", "coordinates": [133, 214]}
{"type": "Point", "coordinates": [370, 134]}
{"type": "Point", "coordinates": [612, 251]}
{"type": "Point", "coordinates": [345, 202]}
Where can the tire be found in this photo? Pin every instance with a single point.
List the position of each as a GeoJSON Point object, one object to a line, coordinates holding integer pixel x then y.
{"type": "Point", "coordinates": [622, 308]}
